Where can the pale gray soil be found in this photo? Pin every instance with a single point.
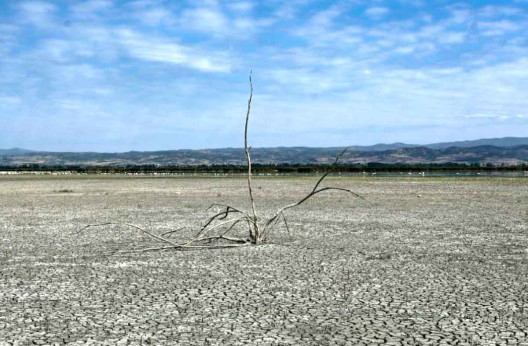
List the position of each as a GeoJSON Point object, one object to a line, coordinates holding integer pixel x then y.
{"type": "Point", "coordinates": [419, 261]}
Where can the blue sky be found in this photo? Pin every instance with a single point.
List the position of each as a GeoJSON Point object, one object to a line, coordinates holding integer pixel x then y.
{"type": "Point", "coordinates": [103, 75]}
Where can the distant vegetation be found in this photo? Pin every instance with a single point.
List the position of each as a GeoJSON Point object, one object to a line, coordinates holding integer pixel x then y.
{"type": "Point", "coordinates": [65, 191]}
{"type": "Point", "coordinates": [273, 169]}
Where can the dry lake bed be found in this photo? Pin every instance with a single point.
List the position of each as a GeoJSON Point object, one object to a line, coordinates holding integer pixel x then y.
{"type": "Point", "coordinates": [418, 261]}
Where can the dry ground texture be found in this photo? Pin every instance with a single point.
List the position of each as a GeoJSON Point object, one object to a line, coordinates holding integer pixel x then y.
{"type": "Point", "coordinates": [419, 261]}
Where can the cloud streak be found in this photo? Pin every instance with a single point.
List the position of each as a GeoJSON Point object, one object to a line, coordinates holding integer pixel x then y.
{"type": "Point", "coordinates": [152, 49]}
{"type": "Point", "coordinates": [39, 13]}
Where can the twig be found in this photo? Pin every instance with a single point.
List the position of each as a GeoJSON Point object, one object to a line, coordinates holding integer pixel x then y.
{"type": "Point", "coordinates": [286, 224]}
{"type": "Point", "coordinates": [220, 216]}
{"type": "Point", "coordinates": [203, 233]}
{"type": "Point", "coordinates": [155, 236]}
{"type": "Point", "coordinates": [254, 231]}
{"type": "Point", "coordinates": [187, 248]}
{"type": "Point", "coordinates": [172, 231]}
{"type": "Point", "coordinates": [272, 221]}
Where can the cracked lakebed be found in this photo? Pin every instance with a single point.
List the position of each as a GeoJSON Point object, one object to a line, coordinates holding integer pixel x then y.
{"type": "Point", "coordinates": [418, 261]}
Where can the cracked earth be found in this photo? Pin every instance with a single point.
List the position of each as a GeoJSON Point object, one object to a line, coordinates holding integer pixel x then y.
{"type": "Point", "coordinates": [419, 261]}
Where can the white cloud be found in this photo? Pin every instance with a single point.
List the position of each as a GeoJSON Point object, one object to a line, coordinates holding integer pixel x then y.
{"type": "Point", "coordinates": [499, 28]}
{"type": "Point", "coordinates": [322, 34]}
{"type": "Point", "coordinates": [151, 12]}
{"type": "Point", "coordinates": [108, 44]}
{"type": "Point", "coordinates": [10, 100]}
{"type": "Point", "coordinates": [38, 13]}
{"type": "Point", "coordinates": [460, 14]}
{"type": "Point", "coordinates": [492, 11]}
{"type": "Point", "coordinates": [160, 50]}
{"type": "Point", "coordinates": [285, 11]}
{"type": "Point", "coordinates": [452, 37]}
{"type": "Point", "coordinates": [207, 18]}
{"type": "Point", "coordinates": [155, 16]}
{"type": "Point", "coordinates": [376, 12]}
{"type": "Point", "coordinates": [497, 117]}
{"type": "Point", "coordinates": [414, 98]}
{"type": "Point", "coordinates": [325, 18]}
{"type": "Point", "coordinates": [69, 104]}
{"type": "Point", "coordinates": [91, 9]}
{"type": "Point", "coordinates": [243, 7]}
{"type": "Point", "coordinates": [65, 51]}
{"type": "Point", "coordinates": [219, 21]}
{"type": "Point", "coordinates": [327, 33]}
{"type": "Point", "coordinates": [8, 38]}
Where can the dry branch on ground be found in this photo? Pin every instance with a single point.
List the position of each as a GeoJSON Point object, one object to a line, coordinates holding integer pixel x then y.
{"type": "Point", "coordinates": [218, 229]}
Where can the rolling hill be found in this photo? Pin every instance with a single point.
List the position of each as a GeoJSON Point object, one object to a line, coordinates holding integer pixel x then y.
{"type": "Point", "coordinates": [509, 151]}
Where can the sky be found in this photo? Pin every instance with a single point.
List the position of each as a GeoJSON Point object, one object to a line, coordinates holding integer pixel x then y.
{"type": "Point", "coordinates": [115, 75]}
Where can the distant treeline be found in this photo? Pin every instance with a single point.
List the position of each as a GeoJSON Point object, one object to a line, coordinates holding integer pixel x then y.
{"type": "Point", "coordinates": [263, 168]}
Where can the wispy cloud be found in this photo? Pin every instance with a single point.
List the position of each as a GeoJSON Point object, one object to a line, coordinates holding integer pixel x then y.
{"type": "Point", "coordinates": [492, 11]}
{"type": "Point", "coordinates": [103, 43]}
{"type": "Point", "coordinates": [207, 17]}
{"type": "Point", "coordinates": [38, 13]}
{"type": "Point", "coordinates": [499, 28]}
{"type": "Point", "coordinates": [90, 9]}
{"type": "Point", "coordinates": [376, 12]}
{"type": "Point", "coordinates": [10, 100]}
{"type": "Point", "coordinates": [8, 38]}
{"type": "Point", "coordinates": [499, 117]}
{"type": "Point", "coordinates": [222, 21]}
{"type": "Point", "coordinates": [159, 50]}
{"type": "Point", "coordinates": [242, 7]}
{"type": "Point", "coordinates": [153, 13]}
{"type": "Point", "coordinates": [154, 16]}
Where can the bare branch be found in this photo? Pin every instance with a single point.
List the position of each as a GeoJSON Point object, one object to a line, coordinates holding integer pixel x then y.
{"type": "Point", "coordinates": [339, 189]}
{"type": "Point", "coordinates": [173, 245]}
{"type": "Point", "coordinates": [231, 227]}
{"type": "Point", "coordinates": [248, 156]}
{"type": "Point", "coordinates": [315, 190]}
{"type": "Point", "coordinates": [203, 232]}
{"type": "Point", "coordinates": [230, 239]}
{"type": "Point", "coordinates": [172, 231]}
{"type": "Point", "coordinates": [187, 248]}
{"type": "Point", "coordinates": [338, 156]}
{"type": "Point", "coordinates": [320, 181]}
{"type": "Point", "coordinates": [221, 216]}
{"type": "Point", "coordinates": [150, 234]}
{"type": "Point", "coordinates": [286, 224]}
{"type": "Point", "coordinates": [226, 206]}
{"type": "Point", "coordinates": [304, 199]}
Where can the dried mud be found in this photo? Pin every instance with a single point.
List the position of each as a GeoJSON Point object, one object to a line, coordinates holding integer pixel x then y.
{"type": "Point", "coordinates": [418, 261]}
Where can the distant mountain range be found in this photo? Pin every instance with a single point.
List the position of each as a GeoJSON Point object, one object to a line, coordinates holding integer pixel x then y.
{"type": "Point", "coordinates": [14, 151]}
{"type": "Point", "coordinates": [496, 142]}
{"type": "Point", "coordinates": [508, 150]}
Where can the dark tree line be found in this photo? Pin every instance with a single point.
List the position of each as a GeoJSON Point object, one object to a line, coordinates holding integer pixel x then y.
{"type": "Point", "coordinates": [272, 168]}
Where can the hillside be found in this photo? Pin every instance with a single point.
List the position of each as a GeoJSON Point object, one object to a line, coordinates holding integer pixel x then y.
{"type": "Point", "coordinates": [303, 155]}
{"type": "Point", "coordinates": [497, 142]}
{"type": "Point", "coordinates": [14, 151]}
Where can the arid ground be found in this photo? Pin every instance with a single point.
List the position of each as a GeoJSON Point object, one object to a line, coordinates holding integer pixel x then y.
{"type": "Point", "coordinates": [418, 261]}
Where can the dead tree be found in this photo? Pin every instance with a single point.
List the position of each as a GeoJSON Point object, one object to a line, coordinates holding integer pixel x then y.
{"type": "Point", "coordinates": [218, 230]}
